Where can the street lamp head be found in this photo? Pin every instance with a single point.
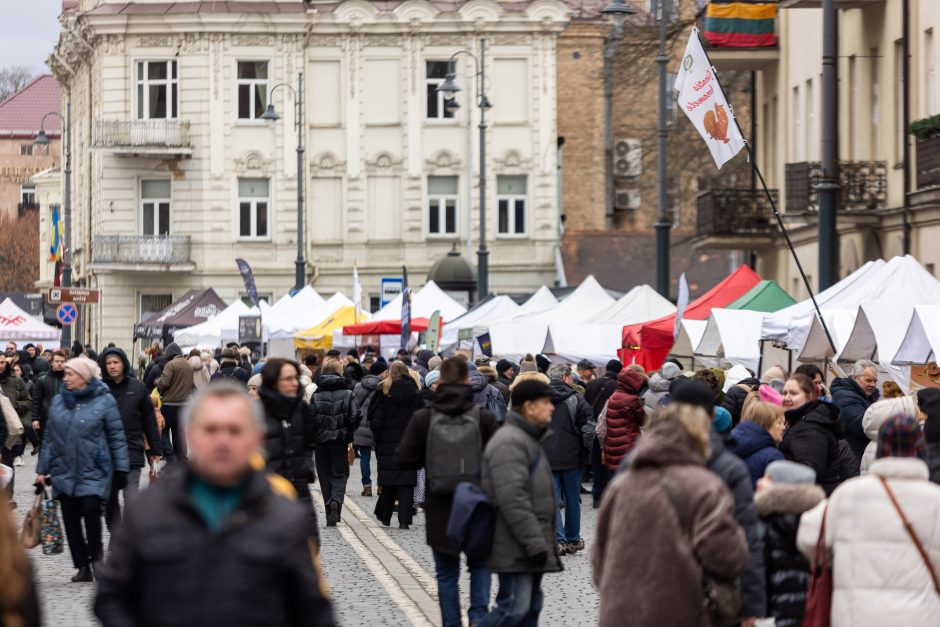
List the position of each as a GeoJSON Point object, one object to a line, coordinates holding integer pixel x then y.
{"type": "Point", "coordinates": [485, 103]}
{"type": "Point", "coordinates": [451, 105]}
{"type": "Point", "coordinates": [618, 9]}
{"type": "Point", "coordinates": [41, 139]}
{"type": "Point", "coordinates": [270, 114]}
{"type": "Point", "coordinates": [449, 87]}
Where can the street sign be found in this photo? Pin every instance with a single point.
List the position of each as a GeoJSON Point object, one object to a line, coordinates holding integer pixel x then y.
{"type": "Point", "coordinates": [249, 329]}
{"type": "Point", "coordinates": [66, 314]}
{"type": "Point", "coordinates": [79, 295]}
{"type": "Point", "coordinates": [391, 288]}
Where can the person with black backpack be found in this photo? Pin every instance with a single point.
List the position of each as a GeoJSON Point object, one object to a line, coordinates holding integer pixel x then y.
{"type": "Point", "coordinates": [448, 439]}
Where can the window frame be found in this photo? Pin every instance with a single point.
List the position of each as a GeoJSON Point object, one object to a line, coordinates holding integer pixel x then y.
{"type": "Point", "coordinates": [513, 198]}
{"type": "Point", "coordinates": [140, 303]}
{"type": "Point", "coordinates": [173, 103]}
{"type": "Point", "coordinates": [441, 100]}
{"type": "Point", "coordinates": [156, 202]}
{"type": "Point", "coordinates": [441, 200]}
{"type": "Point", "coordinates": [249, 82]}
{"type": "Point", "coordinates": [253, 212]}
{"type": "Point", "coordinates": [31, 192]}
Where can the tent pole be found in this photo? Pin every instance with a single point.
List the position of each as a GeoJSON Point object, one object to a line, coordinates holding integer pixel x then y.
{"type": "Point", "coordinates": [760, 360]}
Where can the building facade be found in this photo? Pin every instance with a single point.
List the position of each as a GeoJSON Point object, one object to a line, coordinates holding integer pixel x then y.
{"type": "Point", "coordinates": [176, 174]}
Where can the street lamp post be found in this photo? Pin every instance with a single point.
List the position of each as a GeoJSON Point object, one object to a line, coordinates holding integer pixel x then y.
{"type": "Point", "coordinates": [300, 264]}
{"type": "Point", "coordinates": [43, 140]}
{"type": "Point", "coordinates": [450, 88]}
{"type": "Point", "coordinates": [663, 224]}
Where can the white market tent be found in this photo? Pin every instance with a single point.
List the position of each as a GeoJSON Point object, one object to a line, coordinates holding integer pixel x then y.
{"type": "Point", "coordinates": [299, 316]}
{"type": "Point", "coordinates": [18, 326]}
{"type": "Point", "coordinates": [587, 300]}
{"type": "Point", "coordinates": [424, 303]}
{"type": "Point", "coordinates": [477, 318]}
{"type": "Point", "coordinates": [511, 338]}
{"type": "Point", "coordinates": [291, 315]}
{"type": "Point", "coordinates": [921, 342]}
{"type": "Point", "coordinates": [222, 328]}
{"type": "Point", "coordinates": [733, 335]}
{"type": "Point", "coordinates": [540, 301]}
{"type": "Point", "coordinates": [640, 304]}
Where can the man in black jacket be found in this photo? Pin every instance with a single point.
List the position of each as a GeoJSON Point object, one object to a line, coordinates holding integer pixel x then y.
{"type": "Point", "coordinates": [454, 397]}
{"type": "Point", "coordinates": [139, 420]}
{"type": "Point", "coordinates": [47, 386]}
{"type": "Point", "coordinates": [212, 543]}
{"type": "Point", "coordinates": [567, 446]}
{"type": "Point", "coordinates": [229, 368]}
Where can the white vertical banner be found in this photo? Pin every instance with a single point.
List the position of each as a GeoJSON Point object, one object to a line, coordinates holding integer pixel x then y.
{"type": "Point", "coordinates": [703, 102]}
{"type": "Point", "coordinates": [357, 289]}
{"type": "Point", "coordinates": [681, 303]}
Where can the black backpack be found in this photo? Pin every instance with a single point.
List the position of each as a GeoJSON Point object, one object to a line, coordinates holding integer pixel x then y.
{"type": "Point", "coordinates": [454, 450]}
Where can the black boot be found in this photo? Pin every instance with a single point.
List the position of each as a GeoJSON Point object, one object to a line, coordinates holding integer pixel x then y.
{"type": "Point", "coordinates": [83, 575]}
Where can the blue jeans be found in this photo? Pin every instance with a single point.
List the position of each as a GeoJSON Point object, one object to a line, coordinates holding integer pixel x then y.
{"type": "Point", "coordinates": [447, 568]}
{"type": "Point", "coordinates": [518, 602]}
{"type": "Point", "coordinates": [568, 490]}
{"type": "Point", "coordinates": [365, 465]}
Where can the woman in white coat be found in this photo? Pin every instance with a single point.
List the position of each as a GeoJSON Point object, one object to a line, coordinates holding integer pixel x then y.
{"type": "Point", "coordinates": [879, 575]}
{"type": "Point", "coordinates": [876, 415]}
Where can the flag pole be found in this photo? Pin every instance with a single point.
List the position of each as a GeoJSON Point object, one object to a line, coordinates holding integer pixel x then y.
{"type": "Point", "coordinates": [773, 205]}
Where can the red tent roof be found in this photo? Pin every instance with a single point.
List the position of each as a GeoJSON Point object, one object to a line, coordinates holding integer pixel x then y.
{"type": "Point", "coordinates": [384, 327]}
{"type": "Point", "coordinates": [21, 113]}
{"type": "Point", "coordinates": [650, 342]}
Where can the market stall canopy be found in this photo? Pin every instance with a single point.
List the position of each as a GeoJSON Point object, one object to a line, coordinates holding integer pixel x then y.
{"type": "Point", "coordinates": [584, 302]}
{"type": "Point", "coordinates": [655, 339]}
{"type": "Point", "coordinates": [17, 325]}
{"type": "Point", "coordinates": [320, 336]}
{"type": "Point", "coordinates": [220, 329]}
{"type": "Point", "coordinates": [766, 296]}
{"type": "Point", "coordinates": [424, 303]}
{"type": "Point", "coordinates": [490, 309]}
{"type": "Point", "coordinates": [640, 304]}
{"type": "Point", "coordinates": [734, 335]}
{"type": "Point", "coordinates": [302, 310]}
{"type": "Point", "coordinates": [540, 301]}
{"type": "Point", "coordinates": [384, 327]}
{"type": "Point", "coordinates": [195, 307]}
{"type": "Point", "coordinates": [921, 342]}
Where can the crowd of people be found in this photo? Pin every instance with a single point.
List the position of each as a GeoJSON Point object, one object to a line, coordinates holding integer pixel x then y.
{"type": "Point", "coordinates": [719, 492]}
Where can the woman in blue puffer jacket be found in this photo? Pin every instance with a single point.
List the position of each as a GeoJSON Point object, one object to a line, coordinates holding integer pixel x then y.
{"type": "Point", "coordinates": [83, 452]}
{"type": "Point", "coordinates": [757, 436]}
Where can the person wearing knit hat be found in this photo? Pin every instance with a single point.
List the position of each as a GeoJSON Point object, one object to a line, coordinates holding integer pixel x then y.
{"type": "Point", "coordinates": [84, 367]}
{"type": "Point", "coordinates": [435, 362]}
{"type": "Point", "coordinates": [254, 384]}
{"type": "Point", "coordinates": [722, 420]}
{"type": "Point", "coordinates": [505, 372]}
{"type": "Point", "coordinates": [901, 436]}
{"type": "Point", "coordinates": [790, 473]}
{"type": "Point", "coordinates": [432, 378]}
{"type": "Point", "coordinates": [481, 360]}
{"type": "Point", "coordinates": [543, 363]}
{"type": "Point", "coordinates": [696, 392]}
{"type": "Point", "coordinates": [378, 367]}
{"type": "Point", "coordinates": [774, 373]}
{"type": "Point", "coordinates": [528, 364]}
{"type": "Point", "coordinates": [527, 391]}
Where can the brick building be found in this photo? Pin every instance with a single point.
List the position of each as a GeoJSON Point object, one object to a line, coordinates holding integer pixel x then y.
{"type": "Point", "coordinates": [20, 159]}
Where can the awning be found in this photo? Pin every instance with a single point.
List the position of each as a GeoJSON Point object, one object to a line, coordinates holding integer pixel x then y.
{"type": "Point", "coordinates": [320, 336]}
{"type": "Point", "coordinates": [195, 307]}
{"type": "Point", "coordinates": [384, 327]}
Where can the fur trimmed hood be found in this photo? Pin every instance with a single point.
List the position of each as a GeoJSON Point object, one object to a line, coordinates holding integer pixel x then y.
{"type": "Point", "coordinates": [788, 499]}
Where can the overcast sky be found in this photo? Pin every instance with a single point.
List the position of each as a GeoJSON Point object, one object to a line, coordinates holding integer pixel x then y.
{"type": "Point", "coordinates": [28, 31]}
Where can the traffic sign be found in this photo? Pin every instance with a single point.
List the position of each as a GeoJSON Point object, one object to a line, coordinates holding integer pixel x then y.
{"type": "Point", "coordinates": [66, 314]}
{"type": "Point", "coordinates": [391, 288]}
{"type": "Point", "coordinates": [80, 295]}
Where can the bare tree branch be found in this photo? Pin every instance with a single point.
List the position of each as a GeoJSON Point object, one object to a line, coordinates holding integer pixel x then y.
{"type": "Point", "coordinates": [13, 79]}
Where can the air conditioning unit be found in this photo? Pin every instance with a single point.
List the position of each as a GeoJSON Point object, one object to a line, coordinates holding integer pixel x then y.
{"type": "Point", "coordinates": [627, 199]}
{"type": "Point", "coordinates": [628, 155]}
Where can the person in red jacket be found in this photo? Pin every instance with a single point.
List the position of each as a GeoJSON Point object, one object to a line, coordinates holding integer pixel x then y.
{"type": "Point", "coordinates": [625, 416]}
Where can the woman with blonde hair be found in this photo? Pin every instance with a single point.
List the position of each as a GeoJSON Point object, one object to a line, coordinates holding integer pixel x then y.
{"type": "Point", "coordinates": [663, 524]}
{"type": "Point", "coordinates": [19, 606]}
{"type": "Point", "coordinates": [756, 437]}
{"type": "Point", "coordinates": [390, 411]}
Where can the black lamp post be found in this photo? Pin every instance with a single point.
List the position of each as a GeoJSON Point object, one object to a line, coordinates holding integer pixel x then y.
{"type": "Point", "coordinates": [271, 115]}
{"type": "Point", "coordinates": [43, 140]}
{"type": "Point", "coordinates": [450, 88]}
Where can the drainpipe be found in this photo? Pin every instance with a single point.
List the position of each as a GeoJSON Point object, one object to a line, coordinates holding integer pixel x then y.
{"type": "Point", "coordinates": [906, 118]}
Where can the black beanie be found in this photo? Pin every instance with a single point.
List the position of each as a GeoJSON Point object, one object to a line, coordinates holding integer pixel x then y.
{"type": "Point", "coordinates": [543, 363]}
{"type": "Point", "coordinates": [529, 390]}
{"type": "Point", "coordinates": [614, 366]}
{"type": "Point", "coordinates": [695, 392]}
{"type": "Point", "coordinates": [378, 367]}
{"type": "Point", "coordinates": [503, 365]}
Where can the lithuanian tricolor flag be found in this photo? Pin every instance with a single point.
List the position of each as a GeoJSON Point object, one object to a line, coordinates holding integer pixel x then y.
{"type": "Point", "coordinates": [741, 23]}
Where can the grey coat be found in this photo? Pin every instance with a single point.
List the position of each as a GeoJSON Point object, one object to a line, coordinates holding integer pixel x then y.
{"type": "Point", "coordinates": [362, 393]}
{"type": "Point", "coordinates": [518, 480]}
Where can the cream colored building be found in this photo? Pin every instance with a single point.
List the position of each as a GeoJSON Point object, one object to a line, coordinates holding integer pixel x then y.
{"type": "Point", "coordinates": [175, 176]}
{"type": "Point", "coordinates": [871, 135]}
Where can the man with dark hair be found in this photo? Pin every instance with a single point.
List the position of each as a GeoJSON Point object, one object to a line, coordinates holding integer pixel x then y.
{"type": "Point", "coordinates": [312, 363]}
{"type": "Point", "coordinates": [505, 371]}
{"type": "Point", "coordinates": [230, 368]}
{"type": "Point", "coordinates": [817, 377]}
{"type": "Point", "coordinates": [452, 403]}
{"type": "Point", "coordinates": [403, 356]}
{"type": "Point", "coordinates": [47, 386]}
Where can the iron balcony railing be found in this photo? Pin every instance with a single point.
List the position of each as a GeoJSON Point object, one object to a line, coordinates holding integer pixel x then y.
{"type": "Point", "coordinates": [733, 211]}
{"type": "Point", "coordinates": [141, 134]}
{"type": "Point", "coordinates": [863, 185]}
{"type": "Point", "coordinates": [928, 161]}
{"type": "Point", "coordinates": [164, 250]}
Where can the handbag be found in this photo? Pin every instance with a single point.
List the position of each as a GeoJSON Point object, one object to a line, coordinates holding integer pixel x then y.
{"type": "Point", "coordinates": [30, 536]}
{"type": "Point", "coordinates": [914, 538]}
{"type": "Point", "coordinates": [50, 528]}
{"type": "Point", "coordinates": [816, 613]}
{"type": "Point", "coordinates": [350, 454]}
{"type": "Point", "coordinates": [720, 597]}
{"type": "Point", "coordinates": [14, 425]}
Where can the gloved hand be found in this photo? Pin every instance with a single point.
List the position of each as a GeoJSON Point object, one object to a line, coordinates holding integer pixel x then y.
{"type": "Point", "coordinates": [40, 488]}
{"type": "Point", "coordinates": [120, 479]}
{"type": "Point", "coordinates": [539, 559]}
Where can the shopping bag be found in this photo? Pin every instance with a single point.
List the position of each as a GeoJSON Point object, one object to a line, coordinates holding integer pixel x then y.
{"type": "Point", "coordinates": [51, 529]}
{"type": "Point", "coordinates": [31, 536]}
{"type": "Point", "coordinates": [819, 595]}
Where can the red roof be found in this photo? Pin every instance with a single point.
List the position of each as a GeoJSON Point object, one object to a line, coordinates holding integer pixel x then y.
{"type": "Point", "coordinates": [21, 113]}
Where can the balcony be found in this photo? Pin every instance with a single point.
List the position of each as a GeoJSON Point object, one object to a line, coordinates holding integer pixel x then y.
{"type": "Point", "coordinates": [735, 218]}
{"type": "Point", "coordinates": [141, 252]}
{"type": "Point", "coordinates": [731, 49]}
{"type": "Point", "coordinates": [143, 138]}
{"type": "Point", "coordinates": [928, 161]}
{"type": "Point", "coordinates": [863, 185]}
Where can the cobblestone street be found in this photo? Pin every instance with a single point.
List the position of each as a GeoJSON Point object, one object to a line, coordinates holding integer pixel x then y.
{"type": "Point", "coordinates": [378, 575]}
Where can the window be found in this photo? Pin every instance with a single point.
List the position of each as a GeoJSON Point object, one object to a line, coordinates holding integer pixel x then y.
{"type": "Point", "coordinates": [511, 200]}
{"type": "Point", "coordinates": [442, 205]}
{"type": "Point", "coordinates": [253, 208]}
{"type": "Point", "coordinates": [155, 206]}
{"type": "Point", "coordinates": [157, 90]}
{"type": "Point", "coordinates": [875, 80]}
{"type": "Point", "coordinates": [436, 73]}
{"type": "Point", "coordinates": [930, 75]}
{"type": "Point", "coordinates": [812, 137]}
{"type": "Point", "coordinates": [151, 304]}
{"type": "Point", "coordinates": [26, 150]}
{"type": "Point", "coordinates": [252, 89]}
{"type": "Point", "coordinates": [28, 196]}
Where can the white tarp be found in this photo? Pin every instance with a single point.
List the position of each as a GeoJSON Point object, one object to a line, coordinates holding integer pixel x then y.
{"type": "Point", "coordinates": [641, 304]}
{"type": "Point", "coordinates": [584, 302]}
{"type": "Point", "coordinates": [17, 325]}
{"type": "Point", "coordinates": [921, 342]}
{"type": "Point", "coordinates": [877, 335]}
{"type": "Point", "coordinates": [424, 303]}
{"type": "Point", "coordinates": [730, 334]}
{"type": "Point", "coordinates": [540, 301]}
{"type": "Point", "coordinates": [573, 342]}
{"type": "Point", "coordinates": [512, 339]}
{"type": "Point", "coordinates": [289, 316]}
{"type": "Point", "coordinates": [495, 308]}
{"type": "Point", "coordinates": [222, 328]}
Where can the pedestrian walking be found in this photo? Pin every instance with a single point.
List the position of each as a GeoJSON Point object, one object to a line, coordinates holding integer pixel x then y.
{"type": "Point", "coordinates": [175, 385]}
{"type": "Point", "coordinates": [756, 437]}
{"type": "Point", "coordinates": [212, 543]}
{"type": "Point", "coordinates": [47, 386]}
{"type": "Point", "coordinates": [14, 388]}
{"type": "Point", "coordinates": [597, 393]}
{"type": "Point", "coordinates": [390, 411]}
{"type": "Point", "coordinates": [201, 373]}
{"type": "Point", "coordinates": [19, 603]}
{"type": "Point", "coordinates": [568, 448]}
{"type": "Point", "coordinates": [625, 416]}
{"type": "Point", "coordinates": [663, 525]}
{"type": "Point", "coordinates": [289, 436]}
{"type": "Point", "coordinates": [452, 410]}
{"type": "Point", "coordinates": [853, 395]}
{"type": "Point", "coordinates": [813, 431]}
{"type": "Point", "coordinates": [883, 532]}
{"type": "Point", "coordinates": [84, 453]}
{"type": "Point", "coordinates": [517, 478]}
{"type": "Point", "coordinates": [875, 416]}
{"type": "Point", "coordinates": [139, 420]}
{"type": "Point", "coordinates": [230, 368]}
{"type": "Point", "coordinates": [335, 419]}
{"type": "Point", "coordinates": [363, 439]}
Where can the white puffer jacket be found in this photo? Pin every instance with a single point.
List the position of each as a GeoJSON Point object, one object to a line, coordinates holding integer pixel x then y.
{"type": "Point", "coordinates": [876, 415]}
{"type": "Point", "coordinates": [878, 575]}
